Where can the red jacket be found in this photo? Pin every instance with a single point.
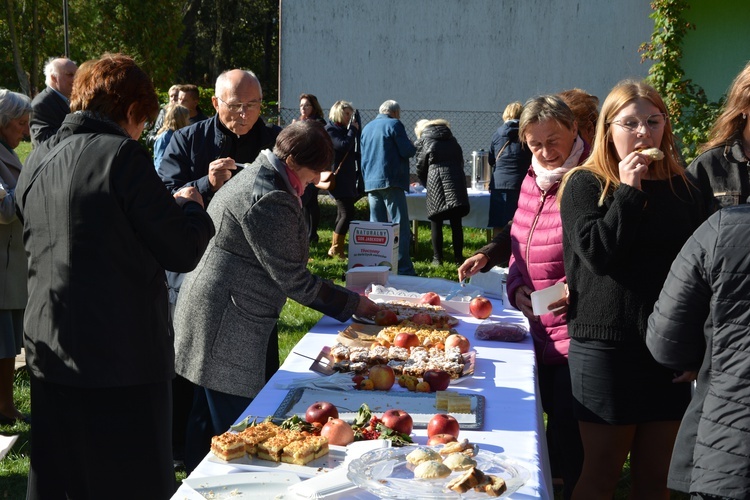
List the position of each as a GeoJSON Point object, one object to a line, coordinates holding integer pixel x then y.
{"type": "Point", "coordinates": [537, 261]}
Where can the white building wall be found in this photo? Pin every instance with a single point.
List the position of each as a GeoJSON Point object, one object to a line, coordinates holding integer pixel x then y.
{"type": "Point", "coordinates": [456, 55]}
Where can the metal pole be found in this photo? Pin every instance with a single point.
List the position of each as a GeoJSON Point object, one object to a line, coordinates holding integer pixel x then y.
{"type": "Point", "coordinates": [65, 25]}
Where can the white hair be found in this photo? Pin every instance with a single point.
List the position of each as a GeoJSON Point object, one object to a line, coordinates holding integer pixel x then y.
{"type": "Point", "coordinates": [12, 106]}
{"type": "Point", "coordinates": [389, 107]}
{"type": "Point", "coordinates": [52, 67]}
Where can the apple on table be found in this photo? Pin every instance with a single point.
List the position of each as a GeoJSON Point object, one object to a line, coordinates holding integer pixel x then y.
{"type": "Point", "coordinates": [480, 307]}
{"type": "Point", "coordinates": [382, 377]}
{"type": "Point", "coordinates": [321, 412]}
{"type": "Point", "coordinates": [439, 380]}
{"type": "Point", "coordinates": [406, 340]}
{"type": "Point", "coordinates": [338, 432]}
{"type": "Point", "coordinates": [458, 340]}
{"type": "Point", "coordinates": [443, 423]}
{"type": "Point", "coordinates": [398, 420]}
{"type": "Point", "coordinates": [430, 298]}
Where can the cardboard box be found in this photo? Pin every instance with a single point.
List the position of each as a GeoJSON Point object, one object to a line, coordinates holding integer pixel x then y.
{"type": "Point", "coordinates": [359, 278]}
{"type": "Point", "coordinates": [373, 244]}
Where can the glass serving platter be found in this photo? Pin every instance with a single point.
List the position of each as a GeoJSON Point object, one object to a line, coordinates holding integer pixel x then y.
{"type": "Point", "coordinates": [386, 473]}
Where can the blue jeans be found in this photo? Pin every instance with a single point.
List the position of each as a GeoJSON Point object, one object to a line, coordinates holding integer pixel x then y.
{"type": "Point", "coordinates": [389, 205]}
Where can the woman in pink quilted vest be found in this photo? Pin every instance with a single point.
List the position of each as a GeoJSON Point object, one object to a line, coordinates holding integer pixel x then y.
{"type": "Point", "coordinates": [549, 129]}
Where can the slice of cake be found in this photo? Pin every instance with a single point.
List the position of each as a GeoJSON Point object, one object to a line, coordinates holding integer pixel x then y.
{"type": "Point", "coordinates": [459, 404]}
{"type": "Point", "coordinates": [441, 400]}
{"type": "Point", "coordinates": [303, 451]}
{"type": "Point", "coordinates": [228, 446]}
{"type": "Point", "coordinates": [272, 448]}
{"type": "Point", "coordinates": [253, 436]}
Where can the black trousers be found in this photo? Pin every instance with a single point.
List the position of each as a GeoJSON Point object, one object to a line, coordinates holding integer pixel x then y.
{"type": "Point", "coordinates": [82, 436]}
{"type": "Point", "coordinates": [344, 214]}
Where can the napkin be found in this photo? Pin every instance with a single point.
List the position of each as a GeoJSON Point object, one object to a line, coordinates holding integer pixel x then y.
{"type": "Point", "coordinates": [336, 481]}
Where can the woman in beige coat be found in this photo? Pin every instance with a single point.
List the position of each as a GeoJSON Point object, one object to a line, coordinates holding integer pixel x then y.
{"type": "Point", "coordinates": [14, 126]}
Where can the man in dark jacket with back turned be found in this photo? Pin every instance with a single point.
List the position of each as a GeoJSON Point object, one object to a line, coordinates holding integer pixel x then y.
{"type": "Point", "coordinates": [701, 323]}
{"type": "Point", "coordinates": [51, 104]}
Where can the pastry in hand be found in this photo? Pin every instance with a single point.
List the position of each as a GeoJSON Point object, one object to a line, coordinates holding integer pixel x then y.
{"type": "Point", "coordinates": [653, 153]}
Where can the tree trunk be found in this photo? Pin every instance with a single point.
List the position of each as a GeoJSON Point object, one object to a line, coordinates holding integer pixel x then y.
{"type": "Point", "coordinates": [34, 48]}
{"type": "Point", "coordinates": [23, 79]}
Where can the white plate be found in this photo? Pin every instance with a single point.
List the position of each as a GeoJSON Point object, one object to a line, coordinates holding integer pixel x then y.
{"type": "Point", "coordinates": [386, 473]}
{"type": "Point", "coordinates": [336, 456]}
{"type": "Point", "coordinates": [248, 485]}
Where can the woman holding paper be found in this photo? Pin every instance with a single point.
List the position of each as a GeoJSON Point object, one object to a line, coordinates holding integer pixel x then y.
{"type": "Point", "coordinates": [548, 127]}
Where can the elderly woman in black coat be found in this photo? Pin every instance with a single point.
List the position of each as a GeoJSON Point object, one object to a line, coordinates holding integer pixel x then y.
{"type": "Point", "coordinates": [440, 168]}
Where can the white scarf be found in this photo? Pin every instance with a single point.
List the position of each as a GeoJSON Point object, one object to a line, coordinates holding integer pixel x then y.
{"type": "Point", "coordinates": [545, 178]}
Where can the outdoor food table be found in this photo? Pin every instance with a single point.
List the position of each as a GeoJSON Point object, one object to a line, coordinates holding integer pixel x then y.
{"type": "Point", "coordinates": [478, 216]}
{"type": "Point", "coordinates": [505, 374]}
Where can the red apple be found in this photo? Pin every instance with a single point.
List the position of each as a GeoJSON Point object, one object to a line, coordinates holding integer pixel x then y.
{"type": "Point", "coordinates": [386, 317]}
{"type": "Point", "coordinates": [321, 411]}
{"type": "Point", "coordinates": [479, 307]}
{"type": "Point", "coordinates": [382, 377]}
{"type": "Point", "coordinates": [406, 339]}
{"type": "Point", "coordinates": [439, 380]}
{"type": "Point", "coordinates": [441, 439]}
{"type": "Point", "coordinates": [398, 420]}
{"type": "Point", "coordinates": [430, 298]}
{"type": "Point", "coordinates": [422, 319]}
{"type": "Point", "coordinates": [338, 432]}
{"type": "Point", "coordinates": [442, 423]}
{"type": "Point", "coordinates": [458, 340]}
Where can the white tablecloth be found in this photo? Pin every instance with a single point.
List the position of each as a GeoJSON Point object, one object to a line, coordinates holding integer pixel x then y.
{"type": "Point", "coordinates": [479, 215]}
{"type": "Point", "coordinates": [505, 374]}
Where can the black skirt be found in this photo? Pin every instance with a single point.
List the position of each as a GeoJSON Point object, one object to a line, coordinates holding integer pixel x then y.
{"type": "Point", "coordinates": [620, 383]}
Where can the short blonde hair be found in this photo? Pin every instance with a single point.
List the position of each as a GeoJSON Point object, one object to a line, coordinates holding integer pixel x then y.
{"type": "Point", "coordinates": [543, 108]}
{"type": "Point", "coordinates": [336, 114]}
{"type": "Point", "coordinates": [512, 111]}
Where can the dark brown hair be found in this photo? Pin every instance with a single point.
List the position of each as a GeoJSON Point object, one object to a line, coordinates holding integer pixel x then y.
{"type": "Point", "coordinates": [308, 143]}
{"type": "Point", "coordinates": [189, 88]}
{"type": "Point", "coordinates": [315, 104]}
{"type": "Point", "coordinates": [110, 85]}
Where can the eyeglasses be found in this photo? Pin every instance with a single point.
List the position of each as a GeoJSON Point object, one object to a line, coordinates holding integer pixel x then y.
{"type": "Point", "coordinates": [634, 123]}
{"type": "Point", "coordinates": [238, 107]}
